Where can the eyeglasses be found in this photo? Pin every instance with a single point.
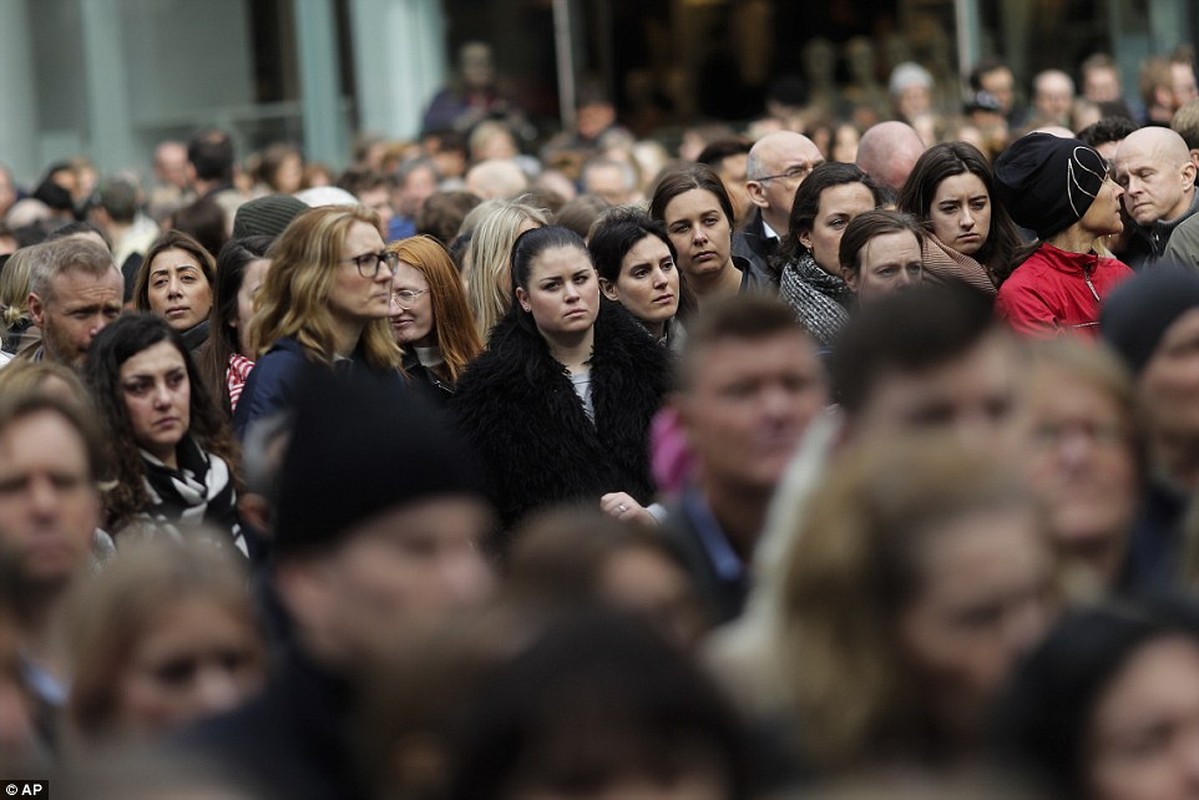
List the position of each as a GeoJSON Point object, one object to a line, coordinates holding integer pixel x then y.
{"type": "Point", "coordinates": [368, 263]}
{"type": "Point", "coordinates": [406, 297]}
{"type": "Point", "coordinates": [796, 173]}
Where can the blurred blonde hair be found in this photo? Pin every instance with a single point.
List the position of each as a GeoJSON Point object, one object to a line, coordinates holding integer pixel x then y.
{"type": "Point", "coordinates": [856, 563]}
{"type": "Point", "coordinates": [113, 611]}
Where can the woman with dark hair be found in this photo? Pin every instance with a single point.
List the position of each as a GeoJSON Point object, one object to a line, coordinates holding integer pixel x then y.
{"type": "Point", "coordinates": [559, 405]}
{"type": "Point", "coordinates": [172, 458]}
{"type": "Point", "coordinates": [1107, 707]}
{"type": "Point", "coordinates": [430, 316]}
{"type": "Point", "coordinates": [599, 706]}
{"type": "Point", "coordinates": [812, 282]}
{"type": "Point", "coordinates": [971, 238]}
{"type": "Point", "coordinates": [175, 281]}
{"type": "Point", "coordinates": [1061, 189]}
{"type": "Point", "coordinates": [692, 203]}
{"type": "Point", "coordinates": [637, 265]}
{"type": "Point", "coordinates": [225, 360]}
{"type": "Point", "coordinates": [880, 254]}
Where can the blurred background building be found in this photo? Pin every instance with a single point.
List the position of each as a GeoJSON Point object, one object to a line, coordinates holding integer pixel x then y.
{"type": "Point", "coordinates": [110, 78]}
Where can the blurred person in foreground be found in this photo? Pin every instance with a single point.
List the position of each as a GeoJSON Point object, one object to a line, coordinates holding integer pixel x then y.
{"type": "Point", "coordinates": [370, 545]}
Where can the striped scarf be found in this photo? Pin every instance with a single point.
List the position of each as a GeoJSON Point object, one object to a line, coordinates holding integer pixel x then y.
{"type": "Point", "coordinates": [235, 377]}
{"type": "Point", "coordinates": [199, 492]}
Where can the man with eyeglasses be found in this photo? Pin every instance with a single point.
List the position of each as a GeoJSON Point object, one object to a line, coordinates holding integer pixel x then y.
{"type": "Point", "coordinates": [777, 165]}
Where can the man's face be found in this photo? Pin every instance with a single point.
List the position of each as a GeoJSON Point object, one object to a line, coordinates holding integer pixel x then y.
{"type": "Point", "coordinates": [784, 166]}
{"type": "Point", "coordinates": [999, 83]}
{"type": "Point", "coordinates": [170, 165]}
{"type": "Point", "coordinates": [418, 187]}
{"type": "Point", "coordinates": [49, 506]}
{"type": "Point", "coordinates": [748, 403]}
{"type": "Point", "coordinates": [1169, 390]}
{"type": "Point", "coordinates": [1101, 85]}
{"type": "Point", "coordinates": [378, 200]}
{"type": "Point", "coordinates": [403, 570]}
{"type": "Point", "coordinates": [80, 305]}
{"type": "Point", "coordinates": [974, 396]}
{"type": "Point", "coordinates": [1183, 84]}
{"type": "Point", "coordinates": [1053, 98]}
{"type": "Point", "coordinates": [732, 174]}
{"type": "Point", "coordinates": [1155, 185]}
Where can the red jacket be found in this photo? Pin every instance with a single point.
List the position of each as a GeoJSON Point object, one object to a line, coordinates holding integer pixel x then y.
{"type": "Point", "coordinates": [1055, 291]}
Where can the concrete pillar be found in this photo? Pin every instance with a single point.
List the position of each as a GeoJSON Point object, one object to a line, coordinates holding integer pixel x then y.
{"type": "Point", "coordinates": [326, 137]}
{"type": "Point", "coordinates": [18, 134]}
{"type": "Point", "coordinates": [399, 61]}
{"type": "Point", "coordinates": [110, 137]}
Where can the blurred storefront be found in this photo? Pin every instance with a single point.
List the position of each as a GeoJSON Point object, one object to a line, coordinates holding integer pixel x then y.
{"type": "Point", "coordinates": [109, 78]}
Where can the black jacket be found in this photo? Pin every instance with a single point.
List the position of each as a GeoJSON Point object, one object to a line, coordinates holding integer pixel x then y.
{"type": "Point", "coordinates": [518, 409]}
{"type": "Point", "coordinates": [292, 742]}
{"type": "Point", "coordinates": [760, 250]}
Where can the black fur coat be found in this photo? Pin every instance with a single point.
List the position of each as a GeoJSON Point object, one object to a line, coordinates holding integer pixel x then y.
{"type": "Point", "coordinates": [517, 407]}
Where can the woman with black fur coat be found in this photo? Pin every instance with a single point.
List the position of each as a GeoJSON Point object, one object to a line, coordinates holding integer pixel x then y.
{"type": "Point", "coordinates": [559, 406]}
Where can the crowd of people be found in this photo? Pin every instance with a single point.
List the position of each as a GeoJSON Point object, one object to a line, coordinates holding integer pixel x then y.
{"type": "Point", "coordinates": [810, 461]}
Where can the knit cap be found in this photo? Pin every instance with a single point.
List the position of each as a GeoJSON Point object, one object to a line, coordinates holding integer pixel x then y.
{"type": "Point", "coordinates": [363, 445]}
{"type": "Point", "coordinates": [266, 216]}
{"type": "Point", "coordinates": [1047, 183]}
{"type": "Point", "coordinates": [1138, 312]}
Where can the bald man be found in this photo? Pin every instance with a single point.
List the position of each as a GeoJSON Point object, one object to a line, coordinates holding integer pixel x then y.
{"type": "Point", "coordinates": [777, 165]}
{"type": "Point", "coordinates": [1155, 169]}
{"type": "Point", "coordinates": [887, 153]}
{"type": "Point", "coordinates": [1052, 97]}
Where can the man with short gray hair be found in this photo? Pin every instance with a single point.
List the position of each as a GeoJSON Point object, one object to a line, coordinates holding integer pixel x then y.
{"type": "Point", "coordinates": [75, 290]}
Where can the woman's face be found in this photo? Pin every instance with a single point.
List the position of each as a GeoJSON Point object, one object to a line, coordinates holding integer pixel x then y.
{"type": "Point", "coordinates": [983, 601]}
{"type": "Point", "coordinates": [700, 231]}
{"type": "Point", "coordinates": [838, 206]}
{"type": "Point", "coordinates": [562, 293]}
{"type": "Point", "coordinates": [177, 290]}
{"type": "Point", "coordinates": [1143, 740]}
{"type": "Point", "coordinates": [412, 307]}
{"type": "Point", "coordinates": [961, 213]}
{"type": "Point", "coordinates": [1103, 217]}
{"type": "Point", "coordinates": [157, 396]}
{"type": "Point", "coordinates": [890, 262]}
{"type": "Point", "coordinates": [648, 285]}
{"type": "Point", "coordinates": [198, 658]}
{"type": "Point", "coordinates": [360, 294]}
{"type": "Point", "coordinates": [251, 281]}
{"type": "Point", "coordinates": [1083, 465]}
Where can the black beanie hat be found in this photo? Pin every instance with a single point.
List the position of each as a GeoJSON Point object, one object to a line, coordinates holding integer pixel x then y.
{"type": "Point", "coordinates": [362, 445]}
{"type": "Point", "coordinates": [1047, 183]}
{"type": "Point", "coordinates": [1139, 311]}
{"type": "Point", "coordinates": [266, 216]}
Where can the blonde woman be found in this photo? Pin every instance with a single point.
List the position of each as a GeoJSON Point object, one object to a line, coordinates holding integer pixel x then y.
{"type": "Point", "coordinates": [917, 576]}
{"type": "Point", "coordinates": [19, 330]}
{"type": "Point", "coordinates": [325, 299]}
{"type": "Point", "coordinates": [489, 282]}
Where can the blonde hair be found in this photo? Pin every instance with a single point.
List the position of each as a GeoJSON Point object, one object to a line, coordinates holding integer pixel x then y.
{"type": "Point", "coordinates": [489, 286]}
{"type": "Point", "coordinates": [14, 288]}
{"type": "Point", "coordinates": [113, 611]}
{"type": "Point", "coordinates": [294, 298]}
{"type": "Point", "coordinates": [856, 564]}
